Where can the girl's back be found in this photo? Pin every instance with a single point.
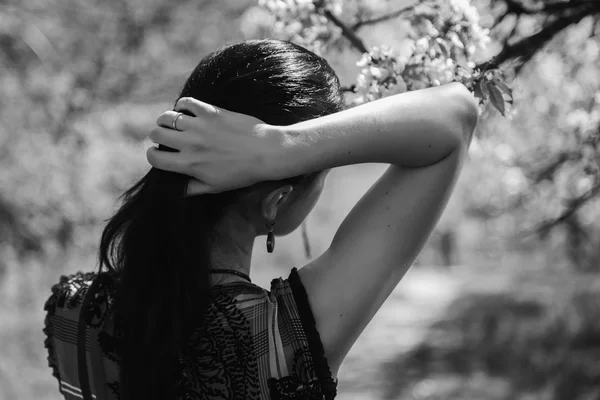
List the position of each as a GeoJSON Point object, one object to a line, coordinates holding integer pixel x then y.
{"type": "Point", "coordinates": [253, 343]}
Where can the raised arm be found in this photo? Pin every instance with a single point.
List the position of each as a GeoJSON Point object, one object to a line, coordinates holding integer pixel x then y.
{"type": "Point", "coordinates": [413, 129]}
{"type": "Point", "coordinates": [424, 135]}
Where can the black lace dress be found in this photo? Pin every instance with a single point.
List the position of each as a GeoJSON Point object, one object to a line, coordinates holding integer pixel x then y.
{"type": "Point", "coordinates": [255, 344]}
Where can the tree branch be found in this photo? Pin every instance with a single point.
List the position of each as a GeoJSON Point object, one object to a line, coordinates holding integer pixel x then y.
{"type": "Point", "coordinates": [574, 206]}
{"type": "Point", "coordinates": [566, 5]}
{"type": "Point", "coordinates": [355, 41]}
{"type": "Point", "coordinates": [394, 14]}
{"type": "Point", "coordinates": [514, 7]}
{"type": "Point", "coordinates": [529, 46]}
{"type": "Point", "coordinates": [550, 169]}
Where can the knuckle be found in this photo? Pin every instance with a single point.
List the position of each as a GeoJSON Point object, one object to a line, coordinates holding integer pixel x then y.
{"type": "Point", "coordinates": [198, 144]}
{"type": "Point", "coordinates": [189, 102]}
{"type": "Point", "coordinates": [188, 170]}
{"type": "Point", "coordinates": [190, 105]}
{"type": "Point", "coordinates": [163, 118]}
{"type": "Point", "coordinates": [194, 168]}
{"type": "Point", "coordinates": [214, 110]}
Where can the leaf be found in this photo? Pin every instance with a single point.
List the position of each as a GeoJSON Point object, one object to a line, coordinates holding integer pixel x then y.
{"type": "Point", "coordinates": [506, 89]}
{"type": "Point", "coordinates": [484, 90]}
{"type": "Point", "coordinates": [503, 87]}
{"type": "Point", "coordinates": [496, 96]}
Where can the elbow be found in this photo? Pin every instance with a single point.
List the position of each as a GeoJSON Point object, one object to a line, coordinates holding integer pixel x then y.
{"type": "Point", "coordinates": [467, 112]}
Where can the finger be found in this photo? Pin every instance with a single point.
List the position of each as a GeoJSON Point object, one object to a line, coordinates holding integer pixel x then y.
{"type": "Point", "coordinates": [166, 119]}
{"type": "Point", "coordinates": [196, 187]}
{"type": "Point", "coordinates": [174, 139]}
{"type": "Point", "coordinates": [167, 161]}
{"type": "Point", "coordinates": [168, 137]}
{"type": "Point", "coordinates": [196, 107]}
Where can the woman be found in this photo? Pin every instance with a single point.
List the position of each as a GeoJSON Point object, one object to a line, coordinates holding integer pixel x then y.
{"type": "Point", "coordinates": [255, 131]}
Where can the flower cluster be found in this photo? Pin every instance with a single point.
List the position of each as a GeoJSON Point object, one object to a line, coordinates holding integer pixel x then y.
{"type": "Point", "coordinates": [454, 21]}
{"type": "Point", "coordinates": [380, 75]}
{"type": "Point", "coordinates": [302, 22]}
{"type": "Point", "coordinates": [443, 39]}
{"type": "Point", "coordinates": [384, 72]}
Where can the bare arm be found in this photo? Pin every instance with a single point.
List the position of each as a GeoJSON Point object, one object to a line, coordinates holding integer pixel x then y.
{"type": "Point", "coordinates": [225, 150]}
{"type": "Point", "coordinates": [424, 135]}
{"type": "Point", "coordinates": [412, 129]}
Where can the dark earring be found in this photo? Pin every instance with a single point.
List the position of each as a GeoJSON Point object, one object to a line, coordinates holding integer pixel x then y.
{"type": "Point", "coordinates": [270, 237]}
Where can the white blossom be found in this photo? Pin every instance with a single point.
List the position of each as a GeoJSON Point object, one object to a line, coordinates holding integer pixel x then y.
{"type": "Point", "coordinates": [443, 33]}
{"type": "Point", "coordinates": [299, 22]}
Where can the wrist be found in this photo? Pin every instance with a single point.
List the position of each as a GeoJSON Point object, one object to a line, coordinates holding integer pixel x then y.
{"type": "Point", "coordinates": [286, 161]}
{"type": "Point", "coordinates": [278, 151]}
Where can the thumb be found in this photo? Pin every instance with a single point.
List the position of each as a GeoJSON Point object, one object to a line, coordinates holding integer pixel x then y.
{"type": "Point", "coordinates": [196, 187]}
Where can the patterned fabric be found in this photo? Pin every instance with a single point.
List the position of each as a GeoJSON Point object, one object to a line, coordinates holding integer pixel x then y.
{"type": "Point", "coordinates": [255, 344]}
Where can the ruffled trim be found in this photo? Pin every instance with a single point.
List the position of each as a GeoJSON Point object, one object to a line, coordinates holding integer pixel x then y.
{"type": "Point", "coordinates": [68, 292]}
{"type": "Point", "coordinates": [322, 370]}
{"type": "Point", "coordinates": [50, 308]}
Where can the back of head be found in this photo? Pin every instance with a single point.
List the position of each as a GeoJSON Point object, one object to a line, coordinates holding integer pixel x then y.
{"type": "Point", "coordinates": [159, 240]}
{"type": "Point", "coordinates": [275, 81]}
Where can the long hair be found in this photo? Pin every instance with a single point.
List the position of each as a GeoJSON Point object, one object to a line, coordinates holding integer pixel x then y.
{"type": "Point", "coordinates": [158, 241]}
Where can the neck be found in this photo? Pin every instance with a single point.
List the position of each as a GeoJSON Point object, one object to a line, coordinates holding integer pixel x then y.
{"type": "Point", "coordinates": [232, 247]}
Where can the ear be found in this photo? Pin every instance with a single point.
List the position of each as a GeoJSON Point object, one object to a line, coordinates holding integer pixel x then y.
{"type": "Point", "coordinates": [272, 203]}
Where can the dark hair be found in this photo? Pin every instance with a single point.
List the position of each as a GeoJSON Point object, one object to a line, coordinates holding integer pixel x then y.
{"type": "Point", "coordinates": [159, 240]}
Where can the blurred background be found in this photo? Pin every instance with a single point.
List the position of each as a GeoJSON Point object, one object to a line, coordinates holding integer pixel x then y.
{"type": "Point", "coordinates": [502, 303]}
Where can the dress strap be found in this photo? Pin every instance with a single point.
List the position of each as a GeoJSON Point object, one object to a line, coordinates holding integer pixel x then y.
{"type": "Point", "coordinates": [321, 365]}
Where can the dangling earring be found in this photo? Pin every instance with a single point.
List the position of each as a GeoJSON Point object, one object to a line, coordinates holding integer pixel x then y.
{"type": "Point", "coordinates": [270, 237]}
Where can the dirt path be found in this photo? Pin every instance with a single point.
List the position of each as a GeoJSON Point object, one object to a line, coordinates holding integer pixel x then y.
{"type": "Point", "coordinates": [420, 299]}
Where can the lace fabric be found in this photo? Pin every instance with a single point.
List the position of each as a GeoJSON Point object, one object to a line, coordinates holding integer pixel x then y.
{"type": "Point", "coordinates": [254, 344]}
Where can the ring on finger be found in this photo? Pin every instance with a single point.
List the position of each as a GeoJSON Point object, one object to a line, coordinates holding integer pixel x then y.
{"type": "Point", "coordinates": [174, 123]}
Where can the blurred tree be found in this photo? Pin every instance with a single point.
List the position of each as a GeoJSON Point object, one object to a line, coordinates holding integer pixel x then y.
{"type": "Point", "coordinates": [551, 148]}
{"type": "Point", "coordinates": [67, 148]}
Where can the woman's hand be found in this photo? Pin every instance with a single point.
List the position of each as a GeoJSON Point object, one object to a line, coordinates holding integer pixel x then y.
{"type": "Point", "coordinates": [221, 149]}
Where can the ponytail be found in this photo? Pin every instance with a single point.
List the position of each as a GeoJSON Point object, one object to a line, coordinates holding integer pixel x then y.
{"type": "Point", "coordinates": [158, 241]}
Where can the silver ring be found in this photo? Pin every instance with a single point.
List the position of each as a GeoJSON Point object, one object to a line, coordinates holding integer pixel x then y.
{"type": "Point", "coordinates": [174, 123]}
